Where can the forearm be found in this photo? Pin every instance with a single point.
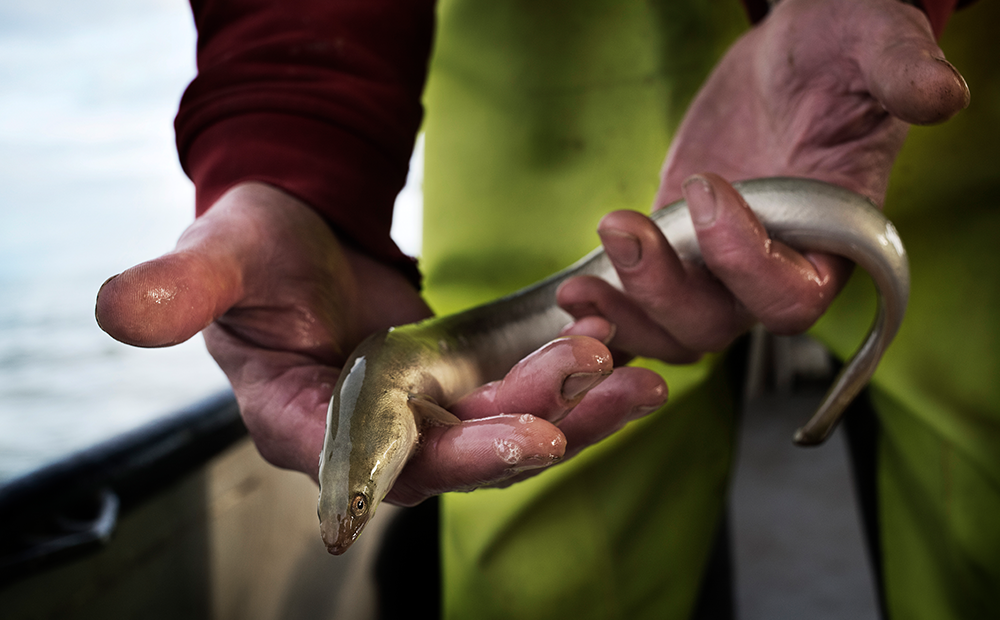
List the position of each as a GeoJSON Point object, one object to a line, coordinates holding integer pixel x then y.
{"type": "Point", "coordinates": [318, 97]}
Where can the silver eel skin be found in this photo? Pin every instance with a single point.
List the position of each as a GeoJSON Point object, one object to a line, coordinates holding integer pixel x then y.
{"type": "Point", "coordinates": [399, 380]}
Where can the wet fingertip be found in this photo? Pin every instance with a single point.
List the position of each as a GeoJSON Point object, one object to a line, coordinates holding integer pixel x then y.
{"type": "Point", "coordinates": [659, 395]}
{"type": "Point", "coordinates": [508, 451]}
{"type": "Point", "coordinates": [518, 458]}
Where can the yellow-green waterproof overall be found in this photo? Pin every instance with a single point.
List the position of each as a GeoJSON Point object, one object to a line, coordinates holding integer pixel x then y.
{"type": "Point", "coordinates": [544, 115]}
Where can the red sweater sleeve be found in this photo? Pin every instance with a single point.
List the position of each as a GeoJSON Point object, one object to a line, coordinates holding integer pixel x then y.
{"type": "Point", "coordinates": [322, 99]}
{"type": "Point", "coordinates": [318, 97]}
{"type": "Point", "coordinates": [938, 11]}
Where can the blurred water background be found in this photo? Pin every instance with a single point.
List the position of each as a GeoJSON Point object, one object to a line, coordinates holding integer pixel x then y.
{"type": "Point", "coordinates": [90, 185]}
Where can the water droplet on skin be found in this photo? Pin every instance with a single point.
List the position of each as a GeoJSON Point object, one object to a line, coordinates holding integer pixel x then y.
{"type": "Point", "coordinates": [160, 295]}
{"type": "Point", "coordinates": [508, 451]}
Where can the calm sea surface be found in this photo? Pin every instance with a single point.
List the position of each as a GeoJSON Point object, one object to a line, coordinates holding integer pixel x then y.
{"type": "Point", "coordinates": [90, 185]}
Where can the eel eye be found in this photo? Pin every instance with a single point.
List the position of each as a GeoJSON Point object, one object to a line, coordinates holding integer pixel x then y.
{"type": "Point", "coordinates": [359, 505]}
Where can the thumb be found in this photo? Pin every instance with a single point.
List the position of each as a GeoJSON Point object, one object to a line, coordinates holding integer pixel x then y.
{"type": "Point", "coordinates": [167, 300]}
{"type": "Point", "coordinates": [910, 77]}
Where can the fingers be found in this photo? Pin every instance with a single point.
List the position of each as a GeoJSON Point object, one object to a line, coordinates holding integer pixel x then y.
{"type": "Point", "coordinates": [907, 72]}
{"type": "Point", "coordinates": [783, 289]}
{"type": "Point", "coordinates": [502, 450]}
{"type": "Point", "coordinates": [590, 324]}
{"type": "Point", "coordinates": [264, 265]}
{"type": "Point", "coordinates": [509, 425]}
{"type": "Point", "coordinates": [629, 394]}
{"type": "Point", "coordinates": [635, 332]}
{"type": "Point", "coordinates": [672, 310]}
{"type": "Point", "coordinates": [548, 383]}
{"type": "Point", "coordinates": [508, 432]}
{"type": "Point", "coordinates": [167, 300]}
{"type": "Point", "coordinates": [477, 453]}
{"type": "Point", "coordinates": [668, 309]}
{"type": "Point", "coordinates": [890, 42]}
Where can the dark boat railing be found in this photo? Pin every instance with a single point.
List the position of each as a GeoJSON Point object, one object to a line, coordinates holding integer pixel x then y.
{"type": "Point", "coordinates": [70, 507]}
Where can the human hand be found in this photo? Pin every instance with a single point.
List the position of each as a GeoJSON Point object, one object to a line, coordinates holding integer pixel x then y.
{"type": "Point", "coordinates": [557, 401]}
{"type": "Point", "coordinates": [282, 305]}
{"type": "Point", "coordinates": [822, 89]}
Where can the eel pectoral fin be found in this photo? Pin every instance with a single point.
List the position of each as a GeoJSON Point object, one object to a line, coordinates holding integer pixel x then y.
{"type": "Point", "coordinates": [428, 413]}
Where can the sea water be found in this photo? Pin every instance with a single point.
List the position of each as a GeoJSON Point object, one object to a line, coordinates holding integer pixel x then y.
{"type": "Point", "coordinates": [90, 185]}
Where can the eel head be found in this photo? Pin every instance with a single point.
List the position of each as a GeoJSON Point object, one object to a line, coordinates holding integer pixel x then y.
{"type": "Point", "coordinates": [370, 434]}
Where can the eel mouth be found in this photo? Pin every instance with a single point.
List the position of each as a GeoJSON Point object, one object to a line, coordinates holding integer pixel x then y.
{"type": "Point", "coordinates": [340, 534]}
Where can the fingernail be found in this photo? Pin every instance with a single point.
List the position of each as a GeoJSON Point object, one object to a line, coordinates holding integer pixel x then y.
{"type": "Point", "coordinates": [106, 283]}
{"type": "Point", "coordinates": [97, 315]}
{"type": "Point", "coordinates": [960, 78]}
{"type": "Point", "coordinates": [950, 66]}
{"type": "Point", "coordinates": [944, 61]}
{"type": "Point", "coordinates": [612, 330]}
{"type": "Point", "coordinates": [643, 410]}
{"type": "Point", "coordinates": [623, 248]}
{"type": "Point", "coordinates": [581, 382]}
{"type": "Point", "coordinates": [701, 201]}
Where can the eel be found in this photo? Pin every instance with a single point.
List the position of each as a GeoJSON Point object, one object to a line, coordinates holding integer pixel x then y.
{"type": "Point", "coordinates": [399, 380]}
